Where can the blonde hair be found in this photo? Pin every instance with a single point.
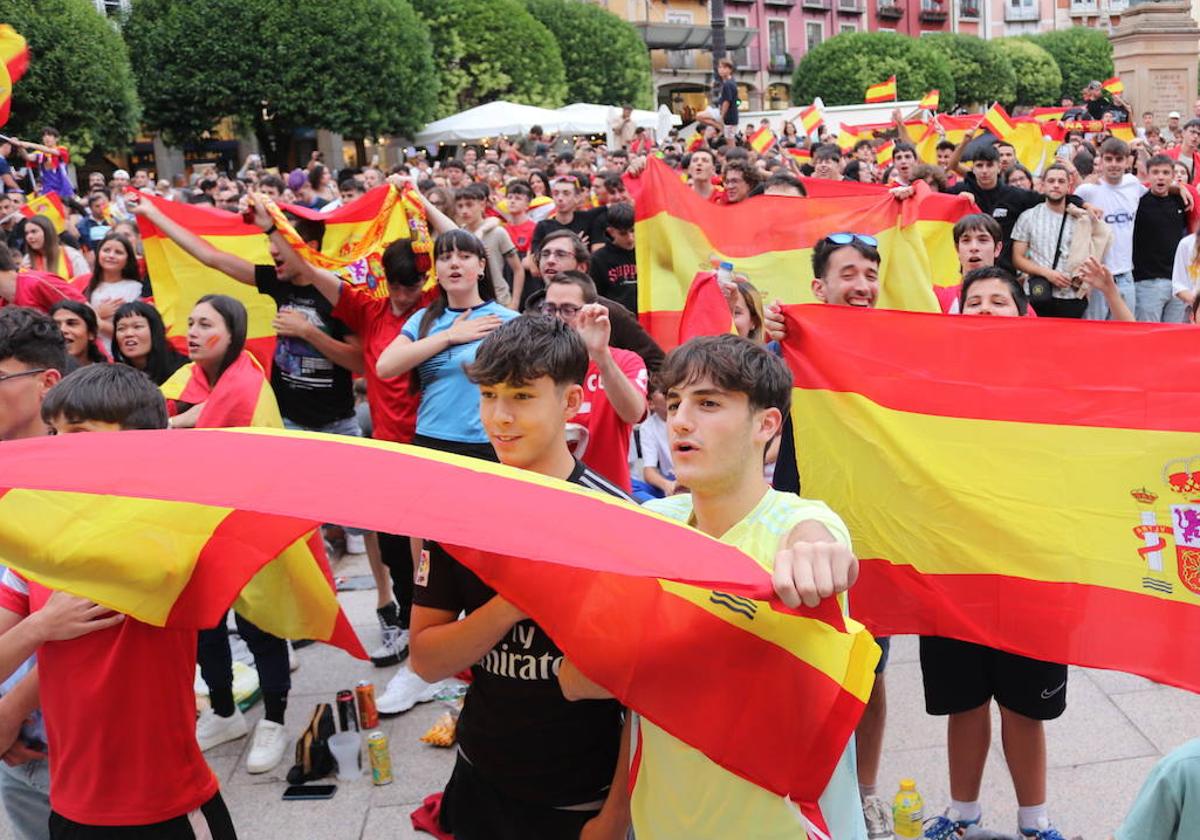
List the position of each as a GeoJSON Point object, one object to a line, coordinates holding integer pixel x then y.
{"type": "Point", "coordinates": [753, 300]}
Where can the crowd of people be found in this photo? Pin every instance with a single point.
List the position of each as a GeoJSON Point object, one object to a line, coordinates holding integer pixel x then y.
{"type": "Point", "coordinates": [528, 352]}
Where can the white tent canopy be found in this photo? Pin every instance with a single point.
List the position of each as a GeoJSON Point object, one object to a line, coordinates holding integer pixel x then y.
{"type": "Point", "coordinates": [585, 118]}
{"type": "Point", "coordinates": [488, 120]}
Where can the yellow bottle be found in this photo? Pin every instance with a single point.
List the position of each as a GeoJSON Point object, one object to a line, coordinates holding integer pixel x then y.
{"type": "Point", "coordinates": [908, 810]}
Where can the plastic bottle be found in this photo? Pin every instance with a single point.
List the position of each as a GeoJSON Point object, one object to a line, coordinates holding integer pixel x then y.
{"type": "Point", "coordinates": [725, 278]}
{"type": "Point", "coordinates": [908, 810]}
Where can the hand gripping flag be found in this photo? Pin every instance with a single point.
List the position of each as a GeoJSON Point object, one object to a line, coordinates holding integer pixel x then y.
{"type": "Point", "coordinates": [882, 92]}
{"type": "Point", "coordinates": [930, 101]}
{"type": "Point", "coordinates": [1055, 516]}
{"type": "Point", "coordinates": [14, 61]}
{"type": "Point", "coordinates": [770, 240]}
{"type": "Point", "coordinates": [1114, 86]}
{"type": "Point", "coordinates": [73, 516]}
{"type": "Point", "coordinates": [762, 140]}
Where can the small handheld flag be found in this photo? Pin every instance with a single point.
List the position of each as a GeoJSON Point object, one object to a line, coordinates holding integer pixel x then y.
{"type": "Point", "coordinates": [1114, 86]}
{"type": "Point", "coordinates": [930, 100]}
{"type": "Point", "coordinates": [882, 92]}
{"type": "Point", "coordinates": [762, 140]}
{"type": "Point", "coordinates": [883, 155]}
{"type": "Point", "coordinates": [697, 142]}
{"type": "Point", "coordinates": [811, 119]}
{"type": "Point", "coordinates": [801, 156]}
{"type": "Point", "coordinates": [48, 205]}
{"type": "Point", "coordinates": [997, 121]}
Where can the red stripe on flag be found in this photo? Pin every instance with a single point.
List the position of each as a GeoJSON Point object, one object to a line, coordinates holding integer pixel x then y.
{"type": "Point", "coordinates": [1040, 617]}
{"type": "Point", "coordinates": [705, 312]}
{"type": "Point", "coordinates": [1094, 390]}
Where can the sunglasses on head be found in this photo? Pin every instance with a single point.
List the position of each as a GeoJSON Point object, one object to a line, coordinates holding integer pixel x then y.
{"type": "Point", "coordinates": [847, 238]}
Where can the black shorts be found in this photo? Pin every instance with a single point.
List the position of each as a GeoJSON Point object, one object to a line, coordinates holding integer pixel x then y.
{"type": "Point", "coordinates": [960, 676]}
{"type": "Point", "coordinates": [885, 648]}
{"type": "Point", "coordinates": [472, 809]}
{"type": "Point", "coordinates": [210, 820]}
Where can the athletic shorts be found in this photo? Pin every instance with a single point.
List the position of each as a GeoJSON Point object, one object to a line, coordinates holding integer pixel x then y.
{"type": "Point", "coordinates": [473, 809]}
{"type": "Point", "coordinates": [211, 821]}
{"type": "Point", "coordinates": [885, 648]}
{"type": "Point", "coordinates": [960, 676]}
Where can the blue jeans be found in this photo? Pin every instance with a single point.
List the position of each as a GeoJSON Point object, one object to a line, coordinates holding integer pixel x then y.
{"type": "Point", "coordinates": [1157, 304]}
{"type": "Point", "coordinates": [1098, 307]}
{"type": "Point", "coordinates": [25, 792]}
{"type": "Point", "coordinates": [347, 426]}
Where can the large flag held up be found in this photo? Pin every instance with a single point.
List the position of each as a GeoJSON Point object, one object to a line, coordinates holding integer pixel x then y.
{"type": "Point", "coordinates": [14, 61]}
{"type": "Point", "coordinates": [1003, 488]}
{"type": "Point", "coordinates": [74, 516]}
{"type": "Point", "coordinates": [770, 240]}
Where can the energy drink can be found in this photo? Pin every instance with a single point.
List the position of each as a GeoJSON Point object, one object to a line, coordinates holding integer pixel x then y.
{"type": "Point", "coordinates": [368, 714]}
{"type": "Point", "coordinates": [381, 759]}
{"type": "Point", "coordinates": [347, 716]}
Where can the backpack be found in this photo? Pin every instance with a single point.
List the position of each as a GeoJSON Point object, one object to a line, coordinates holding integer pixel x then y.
{"type": "Point", "coordinates": [313, 758]}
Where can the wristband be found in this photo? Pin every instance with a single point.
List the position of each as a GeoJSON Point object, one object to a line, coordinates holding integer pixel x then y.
{"type": "Point", "coordinates": [271, 229]}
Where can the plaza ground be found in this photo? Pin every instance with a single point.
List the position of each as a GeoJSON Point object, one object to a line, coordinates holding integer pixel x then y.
{"type": "Point", "coordinates": [1115, 728]}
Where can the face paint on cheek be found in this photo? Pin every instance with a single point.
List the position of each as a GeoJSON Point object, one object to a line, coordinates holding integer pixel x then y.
{"type": "Point", "coordinates": [212, 341]}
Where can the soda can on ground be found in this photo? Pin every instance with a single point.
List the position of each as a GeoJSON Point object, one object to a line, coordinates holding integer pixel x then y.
{"type": "Point", "coordinates": [347, 716]}
{"type": "Point", "coordinates": [381, 759]}
{"type": "Point", "coordinates": [368, 714]}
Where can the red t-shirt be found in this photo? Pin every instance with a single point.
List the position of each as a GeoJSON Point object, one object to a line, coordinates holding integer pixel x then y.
{"type": "Point", "coordinates": [39, 290]}
{"type": "Point", "coordinates": [120, 712]}
{"type": "Point", "coordinates": [393, 404]}
{"type": "Point", "coordinates": [1175, 152]}
{"type": "Point", "coordinates": [607, 449]}
{"type": "Point", "coordinates": [522, 235]}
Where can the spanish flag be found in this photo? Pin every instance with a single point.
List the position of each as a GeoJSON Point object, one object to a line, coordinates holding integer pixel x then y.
{"type": "Point", "coordinates": [706, 311]}
{"type": "Point", "coordinates": [14, 61]}
{"type": "Point", "coordinates": [1114, 86]}
{"type": "Point", "coordinates": [883, 154]}
{"type": "Point", "coordinates": [770, 240]}
{"type": "Point", "coordinates": [810, 119]}
{"type": "Point", "coordinates": [762, 139]}
{"type": "Point", "coordinates": [241, 397]}
{"type": "Point", "coordinates": [882, 92]}
{"type": "Point", "coordinates": [1048, 114]}
{"type": "Point", "coordinates": [930, 101]}
{"type": "Point", "coordinates": [801, 156]}
{"type": "Point", "coordinates": [696, 142]}
{"type": "Point", "coordinates": [48, 205]}
{"type": "Point", "coordinates": [73, 516]}
{"type": "Point", "coordinates": [848, 135]}
{"type": "Point", "coordinates": [997, 121]}
{"type": "Point", "coordinates": [1056, 516]}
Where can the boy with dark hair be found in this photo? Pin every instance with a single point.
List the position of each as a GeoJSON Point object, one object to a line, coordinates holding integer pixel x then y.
{"type": "Point", "coordinates": [614, 266]}
{"type": "Point", "coordinates": [726, 398]}
{"type": "Point", "coordinates": [827, 162]}
{"type": "Point", "coordinates": [1161, 222]}
{"type": "Point", "coordinates": [520, 227]}
{"type": "Point", "coordinates": [530, 764]}
{"type": "Point", "coordinates": [470, 209]}
{"type": "Point", "coordinates": [904, 160]}
{"type": "Point", "coordinates": [105, 783]}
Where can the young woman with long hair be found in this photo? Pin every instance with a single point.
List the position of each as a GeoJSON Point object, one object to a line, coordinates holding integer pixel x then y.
{"type": "Point", "coordinates": [140, 341]}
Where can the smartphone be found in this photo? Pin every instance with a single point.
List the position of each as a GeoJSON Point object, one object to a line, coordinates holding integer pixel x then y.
{"type": "Point", "coordinates": [303, 792]}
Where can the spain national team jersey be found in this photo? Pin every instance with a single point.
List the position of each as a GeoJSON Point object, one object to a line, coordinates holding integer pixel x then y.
{"type": "Point", "coordinates": [677, 791]}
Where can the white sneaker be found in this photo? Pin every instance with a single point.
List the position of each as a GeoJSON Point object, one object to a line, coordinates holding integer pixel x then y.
{"type": "Point", "coordinates": [212, 729]}
{"type": "Point", "coordinates": [406, 690]}
{"type": "Point", "coordinates": [355, 543]}
{"type": "Point", "coordinates": [270, 743]}
{"type": "Point", "coordinates": [393, 649]}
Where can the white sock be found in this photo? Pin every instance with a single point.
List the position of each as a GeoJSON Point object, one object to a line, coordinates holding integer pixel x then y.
{"type": "Point", "coordinates": [967, 811]}
{"type": "Point", "coordinates": [866, 790]}
{"type": "Point", "coordinates": [1033, 817]}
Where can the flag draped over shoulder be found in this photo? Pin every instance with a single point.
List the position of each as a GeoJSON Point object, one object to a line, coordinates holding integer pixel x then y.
{"type": "Point", "coordinates": [241, 397]}
{"type": "Point", "coordinates": [73, 516]}
{"type": "Point", "coordinates": [770, 239]}
{"type": "Point", "coordinates": [1005, 488]}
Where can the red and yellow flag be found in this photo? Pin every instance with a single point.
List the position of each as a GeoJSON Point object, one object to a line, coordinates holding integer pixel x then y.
{"type": "Point", "coordinates": [930, 100]}
{"type": "Point", "coordinates": [74, 517]}
{"type": "Point", "coordinates": [706, 311]}
{"type": "Point", "coordinates": [1048, 114]}
{"type": "Point", "coordinates": [882, 92]}
{"type": "Point", "coordinates": [810, 119]}
{"type": "Point", "coordinates": [883, 154]}
{"type": "Point", "coordinates": [241, 397]}
{"type": "Point", "coordinates": [697, 142]}
{"type": "Point", "coordinates": [770, 240]}
{"type": "Point", "coordinates": [14, 60]}
{"type": "Point", "coordinates": [762, 139]}
{"type": "Point", "coordinates": [1114, 86]}
{"type": "Point", "coordinates": [997, 121]}
{"type": "Point", "coordinates": [802, 156]}
{"type": "Point", "coordinates": [1092, 558]}
{"type": "Point", "coordinates": [48, 205]}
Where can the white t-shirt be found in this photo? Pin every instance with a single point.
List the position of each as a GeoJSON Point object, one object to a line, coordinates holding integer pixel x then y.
{"type": "Point", "coordinates": [656, 449]}
{"type": "Point", "coordinates": [1185, 277]}
{"type": "Point", "coordinates": [1120, 204]}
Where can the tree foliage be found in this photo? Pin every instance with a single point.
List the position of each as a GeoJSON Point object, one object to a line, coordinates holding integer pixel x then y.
{"type": "Point", "coordinates": [274, 66]}
{"type": "Point", "coordinates": [492, 49]}
{"type": "Point", "coordinates": [1039, 81]}
{"type": "Point", "coordinates": [1082, 55]}
{"type": "Point", "coordinates": [982, 72]}
{"type": "Point", "coordinates": [842, 68]}
{"type": "Point", "coordinates": [609, 62]}
{"type": "Point", "coordinates": [79, 79]}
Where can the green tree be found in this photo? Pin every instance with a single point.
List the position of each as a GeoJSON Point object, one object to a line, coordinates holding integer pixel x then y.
{"type": "Point", "coordinates": [841, 69]}
{"type": "Point", "coordinates": [608, 59]}
{"type": "Point", "coordinates": [1039, 81]}
{"type": "Point", "coordinates": [1082, 54]}
{"type": "Point", "coordinates": [79, 80]}
{"type": "Point", "coordinates": [982, 73]}
{"type": "Point", "coordinates": [273, 67]}
{"type": "Point", "coordinates": [492, 49]}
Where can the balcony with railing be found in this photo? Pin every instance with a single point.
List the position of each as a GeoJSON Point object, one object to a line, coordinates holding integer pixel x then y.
{"type": "Point", "coordinates": [781, 63]}
{"type": "Point", "coordinates": [788, 3]}
{"type": "Point", "coordinates": [1015, 11]}
{"type": "Point", "coordinates": [816, 4]}
{"type": "Point", "coordinates": [934, 11]}
{"type": "Point", "coordinates": [1085, 8]}
{"type": "Point", "coordinates": [850, 7]}
{"type": "Point", "coordinates": [968, 9]}
{"type": "Point", "coordinates": [890, 9]}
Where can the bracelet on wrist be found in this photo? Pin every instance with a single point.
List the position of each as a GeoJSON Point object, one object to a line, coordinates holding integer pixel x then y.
{"type": "Point", "coordinates": [272, 229]}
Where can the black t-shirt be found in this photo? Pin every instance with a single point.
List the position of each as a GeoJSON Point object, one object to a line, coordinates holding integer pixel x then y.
{"type": "Point", "coordinates": [729, 93]}
{"type": "Point", "coordinates": [516, 728]}
{"type": "Point", "coordinates": [1160, 223]}
{"type": "Point", "coordinates": [581, 223]}
{"type": "Point", "coordinates": [311, 390]}
{"type": "Point", "coordinates": [614, 271]}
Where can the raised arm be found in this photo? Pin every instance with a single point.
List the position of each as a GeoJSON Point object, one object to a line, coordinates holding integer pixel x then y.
{"type": "Point", "coordinates": [438, 220]}
{"type": "Point", "coordinates": [231, 265]}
